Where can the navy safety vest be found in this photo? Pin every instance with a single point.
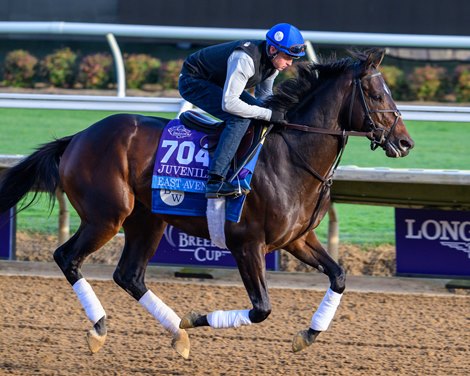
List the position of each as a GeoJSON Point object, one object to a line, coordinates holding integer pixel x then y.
{"type": "Point", "coordinates": [210, 63]}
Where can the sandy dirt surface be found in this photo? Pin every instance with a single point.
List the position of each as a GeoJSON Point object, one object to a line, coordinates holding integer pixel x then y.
{"type": "Point", "coordinates": [43, 326]}
{"type": "Point", "coordinates": [43, 333]}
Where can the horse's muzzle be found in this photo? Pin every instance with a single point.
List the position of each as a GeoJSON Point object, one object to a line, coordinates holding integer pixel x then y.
{"type": "Point", "coordinates": [398, 147]}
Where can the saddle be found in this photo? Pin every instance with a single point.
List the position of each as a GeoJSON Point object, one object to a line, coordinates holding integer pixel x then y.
{"type": "Point", "coordinates": [213, 128]}
{"type": "Point", "coordinates": [181, 163]}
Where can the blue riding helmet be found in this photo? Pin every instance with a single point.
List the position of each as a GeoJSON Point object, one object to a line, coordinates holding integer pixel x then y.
{"type": "Point", "coordinates": [286, 38]}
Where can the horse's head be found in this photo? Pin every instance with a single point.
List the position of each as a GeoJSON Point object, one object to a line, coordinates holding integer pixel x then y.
{"type": "Point", "coordinates": [365, 101]}
{"type": "Point", "coordinates": [371, 108]}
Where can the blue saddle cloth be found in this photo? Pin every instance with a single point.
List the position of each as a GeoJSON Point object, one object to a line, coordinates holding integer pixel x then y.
{"type": "Point", "coordinates": [180, 174]}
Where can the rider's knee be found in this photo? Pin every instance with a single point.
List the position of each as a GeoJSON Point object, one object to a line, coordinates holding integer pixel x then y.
{"type": "Point", "coordinates": [260, 314]}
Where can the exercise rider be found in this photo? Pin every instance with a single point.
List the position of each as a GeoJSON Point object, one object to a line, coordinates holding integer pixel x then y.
{"type": "Point", "coordinates": [215, 79]}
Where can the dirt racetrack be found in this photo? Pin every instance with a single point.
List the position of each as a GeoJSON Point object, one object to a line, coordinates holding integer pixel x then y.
{"type": "Point", "coordinates": [43, 333]}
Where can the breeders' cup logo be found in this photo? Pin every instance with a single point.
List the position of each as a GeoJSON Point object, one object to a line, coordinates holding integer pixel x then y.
{"type": "Point", "coordinates": [203, 250]}
{"type": "Point", "coordinates": [452, 234]}
{"type": "Point", "coordinates": [179, 131]}
{"type": "Point", "coordinates": [168, 235]}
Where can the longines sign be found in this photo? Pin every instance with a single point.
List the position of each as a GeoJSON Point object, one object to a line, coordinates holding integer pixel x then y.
{"type": "Point", "coordinates": [179, 248]}
{"type": "Point", "coordinates": [7, 234]}
{"type": "Point", "coordinates": [433, 242]}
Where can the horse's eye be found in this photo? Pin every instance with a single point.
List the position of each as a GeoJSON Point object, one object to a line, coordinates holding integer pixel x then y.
{"type": "Point", "coordinates": [376, 97]}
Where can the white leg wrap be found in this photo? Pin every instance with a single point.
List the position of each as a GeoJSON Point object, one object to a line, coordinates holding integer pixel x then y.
{"type": "Point", "coordinates": [93, 308]}
{"type": "Point", "coordinates": [228, 319]}
{"type": "Point", "coordinates": [324, 315]}
{"type": "Point", "coordinates": [162, 313]}
{"type": "Point", "coordinates": [216, 221]}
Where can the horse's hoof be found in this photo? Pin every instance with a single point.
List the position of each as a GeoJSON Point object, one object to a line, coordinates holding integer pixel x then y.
{"type": "Point", "coordinates": [94, 340]}
{"type": "Point", "coordinates": [304, 339]}
{"type": "Point", "coordinates": [189, 320]}
{"type": "Point", "coordinates": [180, 343]}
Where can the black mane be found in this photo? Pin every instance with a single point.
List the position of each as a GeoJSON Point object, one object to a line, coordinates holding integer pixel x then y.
{"type": "Point", "coordinates": [309, 76]}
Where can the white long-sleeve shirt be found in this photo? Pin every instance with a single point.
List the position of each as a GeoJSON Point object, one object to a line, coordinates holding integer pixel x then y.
{"type": "Point", "coordinates": [240, 67]}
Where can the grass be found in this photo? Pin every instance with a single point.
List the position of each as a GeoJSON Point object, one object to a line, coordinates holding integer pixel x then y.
{"type": "Point", "coordinates": [439, 145]}
{"type": "Point", "coordinates": [22, 131]}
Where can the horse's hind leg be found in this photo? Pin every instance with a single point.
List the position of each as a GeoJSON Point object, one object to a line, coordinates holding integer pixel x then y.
{"type": "Point", "coordinates": [252, 267]}
{"type": "Point", "coordinates": [143, 232]}
{"type": "Point", "coordinates": [309, 250]}
{"type": "Point", "coordinates": [70, 257]}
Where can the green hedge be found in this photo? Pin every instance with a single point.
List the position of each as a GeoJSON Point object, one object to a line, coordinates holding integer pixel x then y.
{"type": "Point", "coordinates": [67, 69]}
{"type": "Point", "coordinates": [141, 69]}
{"type": "Point", "coordinates": [59, 69]}
{"type": "Point", "coordinates": [19, 69]}
{"type": "Point", "coordinates": [462, 83]}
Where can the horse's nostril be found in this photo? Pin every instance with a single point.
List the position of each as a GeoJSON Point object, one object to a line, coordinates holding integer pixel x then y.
{"type": "Point", "coordinates": [405, 144]}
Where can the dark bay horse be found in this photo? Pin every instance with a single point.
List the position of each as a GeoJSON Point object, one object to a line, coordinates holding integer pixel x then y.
{"type": "Point", "coordinates": [106, 172]}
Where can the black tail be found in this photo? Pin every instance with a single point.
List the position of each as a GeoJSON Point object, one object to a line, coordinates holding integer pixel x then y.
{"type": "Point", "coordinates": [39, 172]}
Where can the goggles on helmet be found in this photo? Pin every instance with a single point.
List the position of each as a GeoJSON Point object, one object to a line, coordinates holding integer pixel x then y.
{"type": "Point", "coordinates": [294, 50]}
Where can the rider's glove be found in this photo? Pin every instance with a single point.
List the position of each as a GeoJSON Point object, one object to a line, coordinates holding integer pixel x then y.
{"type": "Point", "coordinates": [278, 117]}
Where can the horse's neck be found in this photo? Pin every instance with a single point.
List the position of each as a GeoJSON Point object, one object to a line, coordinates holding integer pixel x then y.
{"type": "Point", "coordinates": [318, 151]}
{"type": "Point", "coordinates": [323, 109]}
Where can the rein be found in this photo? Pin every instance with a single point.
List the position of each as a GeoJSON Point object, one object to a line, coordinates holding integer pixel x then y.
{"type": "Point", "coordinates": [377, 135]}
{"type": "Point", "coordinates": [332, 132]}
{"type": "Point", "coordinates": [326, 182]}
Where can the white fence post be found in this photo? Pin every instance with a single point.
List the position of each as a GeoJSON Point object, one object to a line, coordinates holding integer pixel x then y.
{"type": "Point", "coordinates": [119, 63]}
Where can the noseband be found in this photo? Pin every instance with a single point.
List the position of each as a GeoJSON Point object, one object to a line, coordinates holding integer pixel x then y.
{"type": "Point", "coordinates": [378, 135]}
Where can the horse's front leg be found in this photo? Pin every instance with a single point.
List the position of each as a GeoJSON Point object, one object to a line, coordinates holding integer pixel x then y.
{"type": "Point", "coordinates": [309, 250]}
{"type": "Point", "coordinates": [251, 264]}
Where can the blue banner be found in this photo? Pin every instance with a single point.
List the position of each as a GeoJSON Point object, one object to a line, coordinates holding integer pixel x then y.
{"type": "Point", "coordinates": [7, 234]}
{"type": "Point", "coordinates": [433, 242]}
{"type": "Point", "coordinates": [179, 248]}
{"type": "Point", "coordinates": [180, 174]}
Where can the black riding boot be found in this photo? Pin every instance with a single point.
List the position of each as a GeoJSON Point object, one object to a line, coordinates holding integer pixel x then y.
{"type": "Point", "coordinates": [217, 187]}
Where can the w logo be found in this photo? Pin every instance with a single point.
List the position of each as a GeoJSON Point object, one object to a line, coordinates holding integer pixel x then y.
{"type": "Point", "coordinates": [171, 198]}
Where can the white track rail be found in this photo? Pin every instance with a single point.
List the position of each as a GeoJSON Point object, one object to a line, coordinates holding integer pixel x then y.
{"type": "Point", "coordinates": [157, 104]}
{"type": "Point", "coordinates": [430, 113]}
{"type": "Point", "coordinates": [90, 102]}
{"type": "Point", "coordinates": [224, 34]}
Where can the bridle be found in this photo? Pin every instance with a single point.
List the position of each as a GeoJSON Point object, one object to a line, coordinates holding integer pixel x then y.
{"type": "Point", "coordinates": [378, 136]}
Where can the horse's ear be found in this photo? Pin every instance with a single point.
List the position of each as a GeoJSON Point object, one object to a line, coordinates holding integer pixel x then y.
{"type": "Point", "coordinates": [375, 57]}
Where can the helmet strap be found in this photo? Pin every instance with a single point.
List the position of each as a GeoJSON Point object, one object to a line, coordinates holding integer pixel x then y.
{"type": "Point", "coordinates": [271, 56]}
